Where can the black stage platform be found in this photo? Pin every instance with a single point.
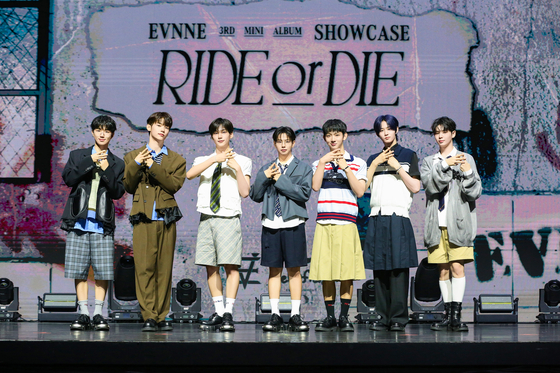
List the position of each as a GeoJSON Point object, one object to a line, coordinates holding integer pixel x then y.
{"type": "Point", "coordinates": [52, 347]}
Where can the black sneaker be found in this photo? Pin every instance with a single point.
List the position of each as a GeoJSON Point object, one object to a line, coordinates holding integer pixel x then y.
{"type": "Point", "coordinates": [149, 326]}
{"type": "Point", "coordinates": [328, 324]}
{"type": "Point", "coordinates": [344, 324]}
{"type": "Point", "coordinates": [81, 323]}
{"type": "Point", "coordinates": [227, 323]}
{"type": "Point", "coordinates": [296, 324]}
{"type": "Point", "coordinates": [274, 324]}
{"type": "Point", "coordinates": [100, 324]}
{"type": "Point", "coordinates": [214, 321]}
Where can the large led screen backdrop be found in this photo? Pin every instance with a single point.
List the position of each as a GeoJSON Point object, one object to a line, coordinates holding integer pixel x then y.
{"type": "Point", "coordinates": [492, 66]}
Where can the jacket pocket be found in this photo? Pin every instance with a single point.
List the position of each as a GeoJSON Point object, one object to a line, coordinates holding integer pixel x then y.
{"type": "Point", "coordinates": [105, 207]}
{"type": "Point", "coordinates": [78, 201]}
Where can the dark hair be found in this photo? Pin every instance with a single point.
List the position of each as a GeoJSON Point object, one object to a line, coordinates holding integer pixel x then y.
{"type": "Point", "coordinates": [334, 125]}
{"type": "Point", "coordinates": [284, 130]}
{"type": "Point", "coordinates": [447, 124]}
{"type": "Point", "coordinates": [391, 121]}
{"type": "Point", "coordinates": [159, 115]}
{"type": "Point", "coordinates": [104, 122]}
{"type": "Point", "coordinates": [216, 123]}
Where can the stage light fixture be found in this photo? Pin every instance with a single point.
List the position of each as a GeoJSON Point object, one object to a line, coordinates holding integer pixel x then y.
{"type": "Point", "coordinates": [368, 293]}
{"type": "Point", "coordinates": [125, 280]}
{"type": "Point", "coordinates": [186, 292]}
{"type": "Point", "coordinates": [122, 303]}
{"type": "Point", "coordinates": [424, 287]}
{"type": "Point", "coordinates": [366, 303]}
{"type": "Point", "coordinates": [6, 291]}
{"type": "Point", "coordinates": [495, 308]}
{"type": "Point", "coordinates": [186, 302]}
{"type": "Point", "coordinates": [551, 293]}
{"type": "Point", "coordinates": [263, 309]}
{"type": "Point", "coordinates": [57, 307]}
{"type": "Point", "coordinates": [9, 300]}
{"type": "Point", "coordinates": [549, 302]}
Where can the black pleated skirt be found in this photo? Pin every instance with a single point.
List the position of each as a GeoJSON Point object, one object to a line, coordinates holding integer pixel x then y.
{"type": "Point", "coordinates": [390, 243]}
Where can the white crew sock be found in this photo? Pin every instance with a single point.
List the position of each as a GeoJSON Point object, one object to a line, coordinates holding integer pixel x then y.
{"type": "Point", "coordinates": [274, 306]}
{"type": "Point", "coordinates": [219, 305]}
{"type": "Point", "coordinates": [229, 305]}
{"type": "Point", "coordinates": [83, 307]}
{"type": "Point", "coordinates": [98, 307]}
{"type": "Point", "coordinates": [446, 290]}
{"type": "Point", "coordinates": [295, 306]}
{"type": "Point", "coordinates": [458, 284]}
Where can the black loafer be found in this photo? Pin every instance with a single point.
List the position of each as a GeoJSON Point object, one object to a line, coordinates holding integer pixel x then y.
{"type": "Point", "coordinates": [81, 323]}
{"type": "Point", "coordinates": [149, 326]}
{"type": "Point", "coordinates": [328, 324]}
{"type": "Point", "coordinates": [165, 326]}
{"type": "Point", "coordinates": [100, 324]}
{"type": "Point", "coordinates": [274, 324]}
{"type": "Point", "coordinates": [227, 323]}
{"type": "Point", "coordinates": [397, 327]}
{"type": "Point", "coordinates": [212, 322]}
{"type": "Point", "coordinates": [296, 324]}
{"type": "Point", "coordinates": [378, 327]}
{"type": "Point", "coordinates": [344, 325]}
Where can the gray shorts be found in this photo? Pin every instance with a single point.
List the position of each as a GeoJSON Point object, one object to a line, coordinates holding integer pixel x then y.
{"type": "Point", "coordinates": [219, 241]}
{"type": "Point", "coordinates": [85, 249]}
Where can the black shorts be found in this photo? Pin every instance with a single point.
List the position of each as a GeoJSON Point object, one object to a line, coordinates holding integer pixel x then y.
{"type": "Point", "coordinates": [284, 246]}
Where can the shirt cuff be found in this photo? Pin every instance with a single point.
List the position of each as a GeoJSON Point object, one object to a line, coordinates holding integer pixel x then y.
{"type": "Point", "coordinates": [467, 173]}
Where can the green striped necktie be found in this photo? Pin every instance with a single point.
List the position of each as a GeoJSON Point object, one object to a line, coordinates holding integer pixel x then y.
{"type": "Point", "coordinates": [215, 189]}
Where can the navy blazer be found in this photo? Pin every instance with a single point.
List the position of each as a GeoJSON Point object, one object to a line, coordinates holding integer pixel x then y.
{"type": "Point", "coordinates": [77, 175]}
{"type": "Point", "coordinates": [293, 189]}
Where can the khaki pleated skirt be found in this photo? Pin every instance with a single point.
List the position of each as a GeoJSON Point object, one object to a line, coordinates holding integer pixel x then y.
{"type": "Point", "coordinates": [337, 253]}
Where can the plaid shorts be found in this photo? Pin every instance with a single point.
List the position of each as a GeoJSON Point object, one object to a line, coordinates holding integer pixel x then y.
{"type": "Point", "coordinates": [85, 249]}
{"type": "Point", "coordinates": [218, 241]}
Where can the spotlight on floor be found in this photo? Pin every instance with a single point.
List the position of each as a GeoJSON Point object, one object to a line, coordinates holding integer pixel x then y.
{"type": "Point", "coordinates": [425, 295]}
{"type": "Point", "coordinates": [549, 302]}
{"type": "Point", "coordinates": [186, 302]}
{"type": "Point", "coordinates": [9, 300]}
{"type": "Point", "coordinates": [122, 303]}
{"type": "Point", "coordinates": [496, 308]}
{"type": "Point", "coordinates": [366, 303]}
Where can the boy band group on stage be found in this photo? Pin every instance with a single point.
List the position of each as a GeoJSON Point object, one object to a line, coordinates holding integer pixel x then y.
{"type": "Point", "coordinates": [153, 174]}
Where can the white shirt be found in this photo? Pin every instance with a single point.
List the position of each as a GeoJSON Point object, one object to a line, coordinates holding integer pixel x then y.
{"type": "Point", "coordinates": [278, 222]}
{"type": "Point", "coordinates": [230, 200]}
{"type": "Point", "coordinates": [442, 215]}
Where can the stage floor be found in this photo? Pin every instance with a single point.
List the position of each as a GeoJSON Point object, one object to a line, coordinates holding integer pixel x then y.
{"type": "Point", "coordinates": [34, 346]}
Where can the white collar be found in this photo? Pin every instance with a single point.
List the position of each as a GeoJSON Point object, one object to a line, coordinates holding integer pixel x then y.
{"type": "Point", "coordinates": [452, 154]}
{"type": "Point", "coordinates": [287, 163]}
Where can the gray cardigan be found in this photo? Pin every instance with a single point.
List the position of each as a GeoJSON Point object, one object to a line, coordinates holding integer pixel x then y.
{"type": "Point", "coordinates": [461, 208]}
{"type": "Point", "coordinates": [293, 188]}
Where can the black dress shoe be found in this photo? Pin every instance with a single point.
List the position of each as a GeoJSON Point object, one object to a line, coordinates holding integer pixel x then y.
{"type": "Point", "coordinates": [212, 322]}
{"type": "Point", "coordinates": [344, 325]}
{"type": "Point", "coordinates": [81, 323]}
{"type": "Point", "coordinates": [296, 324]}
{"type": "Point", "coordinates": [165, 326]}
{"type": "Point", "coordinates": [227, 324]}
{"type": "Point", "coordinates": [396, 327]}
{"type": "Point", "coordinates": [378, 327]}
{"type": "Point", "coordinates": [149, 326]}
{"type": "Point", "coordinates": [328, 324]}
{"type": "Point", "coordinates": [100, 324]}
{"type": "Point", "coordinates": [274, 324]}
